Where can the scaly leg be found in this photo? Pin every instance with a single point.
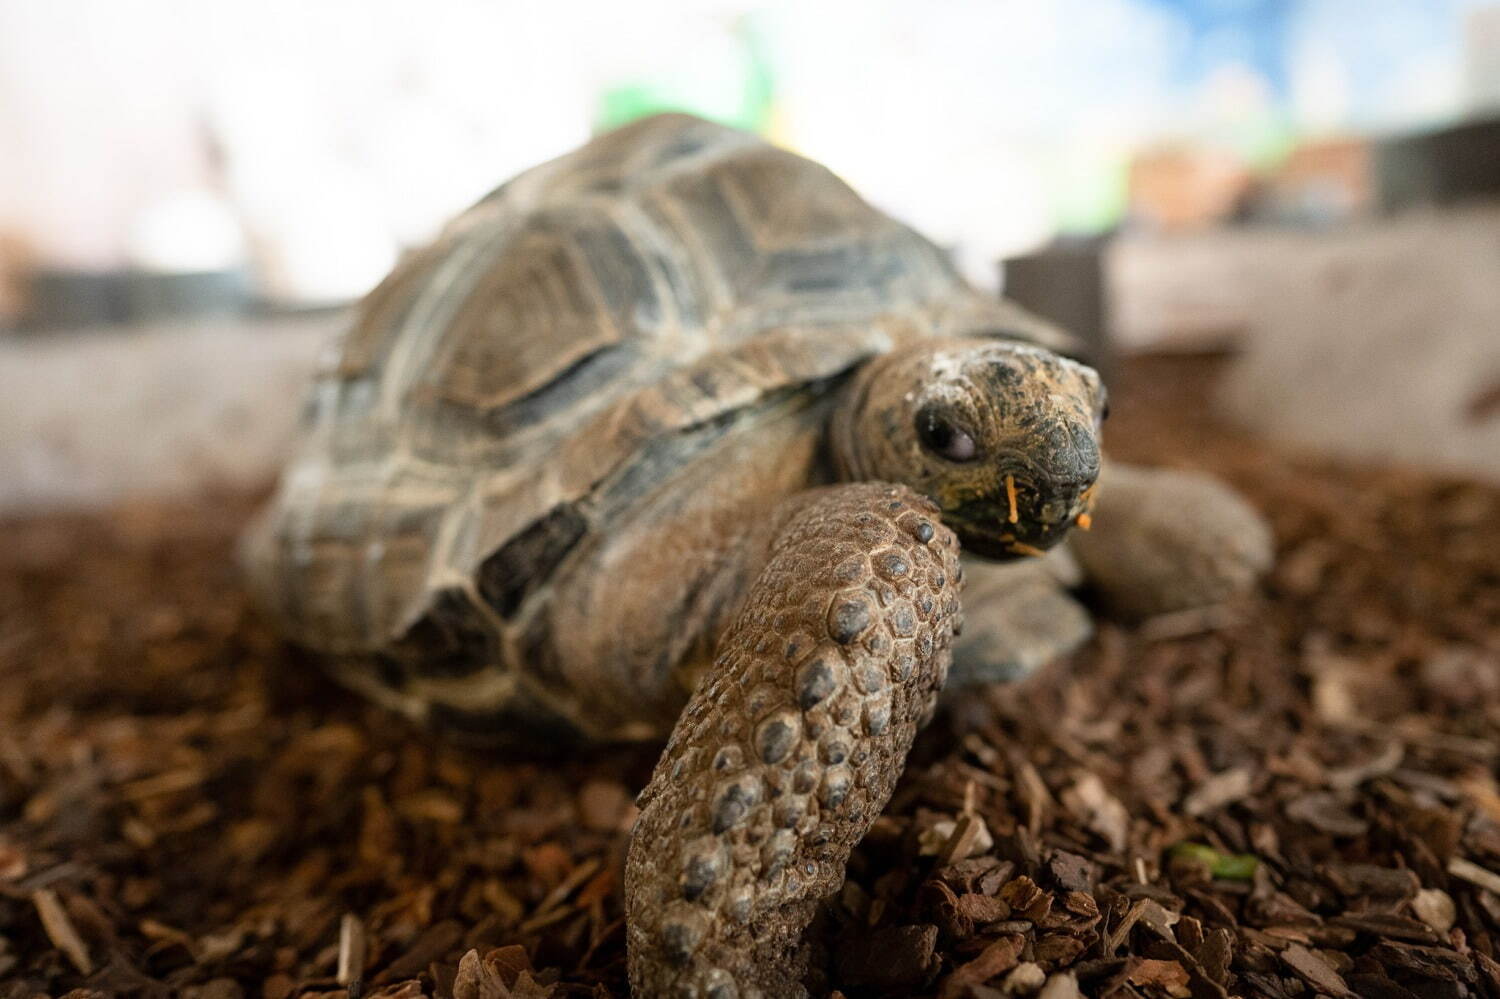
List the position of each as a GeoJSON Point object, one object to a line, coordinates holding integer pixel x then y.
{"type": "Point", "coordinates": [1164, 540]}
{"type": "Point", "coordinates": [1018, 617]}
{"type": "Point", "coordinates": [791, 746]}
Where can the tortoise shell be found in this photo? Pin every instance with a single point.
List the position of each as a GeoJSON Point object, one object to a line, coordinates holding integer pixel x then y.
{"type": "Point", "coordinates": [512, 388]}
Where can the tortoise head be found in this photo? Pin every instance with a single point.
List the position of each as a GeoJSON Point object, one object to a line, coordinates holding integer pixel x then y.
{"type": "Point", "coordinates": [1003, 435]}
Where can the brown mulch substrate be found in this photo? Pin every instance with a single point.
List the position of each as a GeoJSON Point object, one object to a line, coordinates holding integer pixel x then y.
{"type": "Point", "coordinates": [1294, 797]}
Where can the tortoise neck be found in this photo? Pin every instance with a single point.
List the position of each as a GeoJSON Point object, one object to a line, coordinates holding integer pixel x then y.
{"type": "Point", "coordinates": [845, 459]}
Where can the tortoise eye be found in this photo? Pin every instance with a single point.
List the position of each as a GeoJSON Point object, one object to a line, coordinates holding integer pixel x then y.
{"type": "Point", "coordinates": [944, 438]}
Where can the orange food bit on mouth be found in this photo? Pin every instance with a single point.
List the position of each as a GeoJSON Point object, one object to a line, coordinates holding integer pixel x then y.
{"type": "Point", "coordinates": [1010, 494]}
{"type": "Point", "coordinates": [1021, 548]}
{"type": "Point", "coordinates": [1084, 521]}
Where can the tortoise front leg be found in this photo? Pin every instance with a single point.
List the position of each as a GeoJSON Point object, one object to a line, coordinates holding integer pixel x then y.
{"type": "Point", "coordinates": [1166, 540]}
{"type": "Point", "coordinates": [1019, 617]}
{"type": "Point", "coordinates": [792, 744]}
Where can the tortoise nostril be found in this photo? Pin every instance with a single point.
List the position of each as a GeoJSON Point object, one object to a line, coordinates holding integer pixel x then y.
{"type": "Point", "coordinates": [1054, 511]}
{"type": "Point", "coordinates": [1069, 459]}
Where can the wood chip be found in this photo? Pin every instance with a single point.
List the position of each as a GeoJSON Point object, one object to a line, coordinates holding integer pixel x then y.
{"type": "Point", "coordinates": [60, 929]}
{"type": "Point", "coordinates": [996, 958]}
{"type": "Point", "coordinates": [434, 942]}
{"type": "Point", "coordinates": [982, 908]}
{"type": "Point", "coordinates": [1062, 986]}
{"type": "Point", "coordinates": [970, 836]}
{"type": "Point", "coordinates": [1315, 971]}
{"type": "Point", "coordinates": [1099, 810]}
{"type": "Point", "coordinates": [1471, 872]}
{"type": "Point", "coordinates": [1325, 813]}
{"type": "Point", "coordinates": [1388, 925]}
{"type": "Point", "coordinates": [1435, 907]}
{"type": "Point", "coordinates": [890, 958]}
{"type": "Point", "coordinates": [12, 862]}
{"type": "Point", "coordinates": [1169, 976]}
{"type": "Point", "coordinates": [352, 951]}
{"type": "Point", "coordinates": [1023, 979]}
{"type": "Point", "coordinates": [604, 806]}
{"type": "Point", "coordinates": [1369, 879]}
{"type": "Point", "coordinates": [580, 874]}
{"type": "Point", "coordinates": [173, 782]}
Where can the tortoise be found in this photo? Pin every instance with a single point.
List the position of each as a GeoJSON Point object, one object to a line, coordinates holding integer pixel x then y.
{"type": "Point", "coordinates": [676, 436]}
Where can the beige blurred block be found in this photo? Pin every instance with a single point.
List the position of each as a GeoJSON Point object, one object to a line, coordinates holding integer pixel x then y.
{"type": "Point", "coordinates": [1379, 340]}
{"type": "Point", "coordinates": [89, 418]}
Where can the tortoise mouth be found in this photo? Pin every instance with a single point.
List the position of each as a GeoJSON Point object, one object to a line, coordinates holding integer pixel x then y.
{"type": "Point", "coordinates": [1022, 522]}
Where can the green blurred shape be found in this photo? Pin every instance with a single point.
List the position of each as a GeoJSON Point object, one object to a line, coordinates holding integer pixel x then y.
{"type": "Point", "coordinates": [1229, 866]}
{"type": "Point", "coordinates": [631, 101]}
{"type": "Point", "coordinates": [752, 110]}
{"type": "Point", "coordinates": [1086, 188]}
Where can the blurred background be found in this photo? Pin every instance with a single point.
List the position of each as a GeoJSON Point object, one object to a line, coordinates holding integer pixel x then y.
{"type": "Point", "coordinates": [192, 193]}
